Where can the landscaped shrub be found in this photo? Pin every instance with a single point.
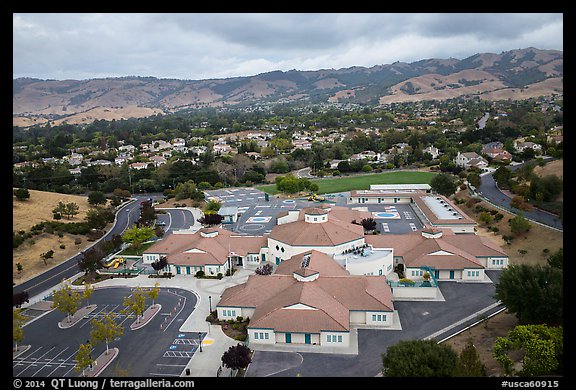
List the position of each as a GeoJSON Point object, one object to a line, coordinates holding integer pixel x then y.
{"type": "Point", "coordinates": [200, 274]}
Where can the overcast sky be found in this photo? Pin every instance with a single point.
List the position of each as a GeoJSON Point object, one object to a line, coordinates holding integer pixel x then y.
{"type": "Point", "coordinates": [202, 46]}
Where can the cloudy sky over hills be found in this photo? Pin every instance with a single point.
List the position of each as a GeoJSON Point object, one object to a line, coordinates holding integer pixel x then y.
{"type": "Point", "coordinates": [202, 46]}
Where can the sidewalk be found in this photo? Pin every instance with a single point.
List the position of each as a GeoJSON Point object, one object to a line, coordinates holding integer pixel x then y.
{"type": "Point", "coordinates": [215, 342]}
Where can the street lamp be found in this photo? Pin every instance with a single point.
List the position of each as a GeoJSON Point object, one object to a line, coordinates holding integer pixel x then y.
{"type": "Point", "coordinates": [210, 302]}
{"type": "Point", "coordinates": [200, 341]}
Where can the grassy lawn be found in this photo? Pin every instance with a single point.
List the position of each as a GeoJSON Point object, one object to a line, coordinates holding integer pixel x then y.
{"type": "Point", "coordinates": [362, 182]}
{"type": "Point", "coordinates": [130, 251]}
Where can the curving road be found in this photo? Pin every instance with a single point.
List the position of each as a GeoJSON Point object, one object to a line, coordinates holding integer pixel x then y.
{"type": "Point", "coordinates": [490, 192]}
{"type": "Point", "coordinates": [125, 217]}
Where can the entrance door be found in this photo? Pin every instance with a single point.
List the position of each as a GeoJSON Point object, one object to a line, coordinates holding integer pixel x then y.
{"type": "Point", "coordinates": [307, 338]}
{"type": "Point", "coordinates": [451, 274]}
{"type": "Point", "coordinates": [288, 338]}
{"type": "Point", "coordinates": [437, 273]}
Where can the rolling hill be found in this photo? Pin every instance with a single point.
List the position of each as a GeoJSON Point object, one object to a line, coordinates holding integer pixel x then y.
{"type": "Point", "coordinates": [516, 74]}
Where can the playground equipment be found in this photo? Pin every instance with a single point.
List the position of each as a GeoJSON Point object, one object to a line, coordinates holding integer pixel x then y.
{"type": "Point", "coordinates": [114, 263]}
{"type": "Point", "coordinates": [316, 198]}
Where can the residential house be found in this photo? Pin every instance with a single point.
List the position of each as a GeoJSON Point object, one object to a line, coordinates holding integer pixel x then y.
{"type": "Point", "coordinates": [368, 155]}
{"type": "Point", "coordinates": [74, 159]}
{"type": "Point", "coordinates": [432, 150]}
{"type": "Point", "coordinates": [470, 160]}
{"type": "Point", "coordinates": [178, 143]}
{"type": "Point", "coordinates": [495, 150]}
{"type": "Point", "coordinates": [157, 160]}
{"type": "Point", "coordinates": [139, 165]}
{"type": "Point", "coordinates": [520, 145]}
{"type": "Point", "coordinates": [99, 162]}
{"type": "Point", "coordinates": [302, 144]}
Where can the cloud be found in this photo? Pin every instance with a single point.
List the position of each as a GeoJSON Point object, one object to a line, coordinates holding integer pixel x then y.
{"type": "Point", "coordinates": [197, 46]}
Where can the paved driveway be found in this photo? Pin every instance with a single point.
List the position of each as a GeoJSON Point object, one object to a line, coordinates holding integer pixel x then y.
{"type": "Point", "coordinates": [419, 320]}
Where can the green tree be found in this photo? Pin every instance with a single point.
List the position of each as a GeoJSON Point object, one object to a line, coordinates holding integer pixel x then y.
{"type": "Point", "coordinates": [212, 205]}
{"type": "Point", "coordinates": [18, 321]}
{"type": "Point", "coordinates": [136, 303]}
{"type": "Point", "coordinates": [519, 224]}
{"type": "Point", "coordinates": [83, 358]}
{"type": "Point", "coordinates": [486, 217]}
{"type": "Point", "coordinates": [67, 209]}
{"type": "Point", "coordinates": [47, 255]}
{"type": "Point", "coordinates": [153, 292]}
{"type": "Point", "coordinates": [468, 363]}
{"type": "Point", "coordinates": [88, 291]}
{"type": "Point", "coordinates": [185, 190]}
{"type": "Point", "coordinates": [419, 358]}
{"type": "Point", "coordinates": [96, 198]}
{"type": "Point", "coordinates": [555, 260]}
{"type": "Point", "coordinates": [22, 193]}
{"type": "Point", "coordinates": [540, 345]}
{"type": "Point", "coordinates": [99, 217]}
{"type": "Point", "coordinates": [138, 235]}
{"type": "Point", "coordinates": [444, 184]}
{"type": "Point", "coordinates": [534, 293]}
{"type": "Point", "coordinates": [474, 179]}
{"type": "Point", "coordinates": [66, 300]}
{"type": "Point", "coordinates": [105, 329]}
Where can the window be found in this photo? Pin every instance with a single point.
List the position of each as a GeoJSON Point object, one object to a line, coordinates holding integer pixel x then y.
{"type": "Point", "coordinates": [339, 339]}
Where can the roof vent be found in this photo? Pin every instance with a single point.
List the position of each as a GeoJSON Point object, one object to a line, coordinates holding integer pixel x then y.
{"type": "Point", "coordinates": [305, 261]}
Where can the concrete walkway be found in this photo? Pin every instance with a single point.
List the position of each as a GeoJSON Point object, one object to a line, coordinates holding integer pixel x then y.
{"type": "Point", "coordinates": [215, 343]}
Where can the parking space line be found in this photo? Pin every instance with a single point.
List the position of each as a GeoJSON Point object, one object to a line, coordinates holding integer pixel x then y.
{"type": "Point", "coordinates": [36, 360]}
{"type": "Point", "coordinates": [64, 363]}
{"type": "Point", "coordinates": [49, 361]}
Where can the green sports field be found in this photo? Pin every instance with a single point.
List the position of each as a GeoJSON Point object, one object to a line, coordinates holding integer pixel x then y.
{"type": "Point", "coordinates": [362, 182]}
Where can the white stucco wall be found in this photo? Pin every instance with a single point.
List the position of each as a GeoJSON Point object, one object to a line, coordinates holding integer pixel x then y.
{"type": "Point", "coordinates": [495, 262]}
{"type": "Point", "coordinates": [229, 313]}
{"type": "Point", "coordinates": [359, 199]}
{"type": "Point", "coordinates": [415, 292]}
{"type": "Point", "coordinates": [473, 274]}
{"type": "Point", "coordinates": [149, 258]}
{"type": "Point", "coordinates": [335, 338]}
{"type": "Point", "coordinates": [261, 336]}
{"type": "Point", "coordinates": [290, 250]}
{"type": "Point", "coordinates": [386, 318]}
{"type": "Point", "coordinates": [380, 265]}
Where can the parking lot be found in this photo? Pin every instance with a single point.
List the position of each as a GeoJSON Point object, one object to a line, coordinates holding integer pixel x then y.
{"type": "Point", "coordinates": [257, 216]}
{"type": "Point", "coordinates": [157, 349]}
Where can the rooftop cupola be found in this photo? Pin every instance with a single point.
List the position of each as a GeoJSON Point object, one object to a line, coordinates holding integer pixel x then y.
{"type": "Point", "coordinates": [315, 215]}
{"type": "Point", "coordinates": [430, 232]}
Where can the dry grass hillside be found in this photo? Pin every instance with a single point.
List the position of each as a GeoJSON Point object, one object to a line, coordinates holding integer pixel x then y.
{"type": "Point", "coordinates": [36, 209]}
{"type": "Point", "coordinates": [531, 248]}
{"type": "Point", "coordinates": [39, 208]}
